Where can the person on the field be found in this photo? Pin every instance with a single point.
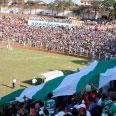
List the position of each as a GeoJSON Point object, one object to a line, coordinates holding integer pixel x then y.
{"type": "Point", "coordinates": [34, 81]}
{"type": "Point", "coordinates": [13, 83]}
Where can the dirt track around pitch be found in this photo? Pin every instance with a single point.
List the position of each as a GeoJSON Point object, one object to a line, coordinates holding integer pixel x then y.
{"type": "Point", "coordinates": [43, 50]}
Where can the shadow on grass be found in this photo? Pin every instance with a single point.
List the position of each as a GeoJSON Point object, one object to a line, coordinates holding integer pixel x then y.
{"type": "Point", "coordinates": [7, 86]}
{"type": "Point", "coordinates": [67, 72]}
{"type": "Point", "coordinates": [39, 81]}
{"type": "Point", "coordinates": [23, 86]}
{"type": "Point", "coordinates": [81, 62]}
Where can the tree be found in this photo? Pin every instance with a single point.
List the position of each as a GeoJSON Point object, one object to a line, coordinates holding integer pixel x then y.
{"type": "Point", "coordinates": [62, 5]}
{"type": "Point", "coordinates": [30, 3]}
{"type": "Point", "coordinates": [108, 3]}
{"type": "Point", "coordinates": [96, 5]}
{"type": "Point", "coordinates": [82, 10]}
{"type": "Point", "coordinates": [68, 3]}
{"type": "Point", "coordinates": [51, 6]}
{"type": "Point", "coordinates": [111, 4]}
{"type": "Point", "coordinates": [88, 11]}
{"type": "Point", "coordinates": [112, 14]}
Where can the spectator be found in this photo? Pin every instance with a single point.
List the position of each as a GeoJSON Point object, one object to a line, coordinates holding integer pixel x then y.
{"type": "Point", "coordinates": [74, 112]}
{"type": "Point", "coordinates": [50, 104]}
{"type": "Point", "coordinates": [60, 111]}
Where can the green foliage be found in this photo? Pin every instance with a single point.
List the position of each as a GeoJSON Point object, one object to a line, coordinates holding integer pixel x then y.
{"type": "Point", "coordinates": [109, 3]}
{"type": "Point", "coordinates": [61, 5]}
{"type": "Point", "coordinates": [96, 6]}
{"type": "Point", "coordinates": [51, 6]}
{"type": "Point", "coordinates": [96, 3]}
{"type": "Point", "coordinates": [112, 5]}
{"type": "Point", "coordinates": [112, 14]}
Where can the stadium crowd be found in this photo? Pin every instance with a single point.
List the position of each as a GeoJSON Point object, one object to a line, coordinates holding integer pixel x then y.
{"type": "Point", "coordinates": [96, 40]}
{"type": "Point", "coordinates": [86, 103]}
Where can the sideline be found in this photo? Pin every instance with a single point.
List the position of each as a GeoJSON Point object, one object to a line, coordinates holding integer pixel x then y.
{"type": "Point", "coordinates": [16, 45]}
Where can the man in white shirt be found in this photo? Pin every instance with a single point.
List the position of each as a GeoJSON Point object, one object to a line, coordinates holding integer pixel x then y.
{"type": "Point", "coordinates": [13, 83]}
{"type": "Point", "coordinates": [34, 81]}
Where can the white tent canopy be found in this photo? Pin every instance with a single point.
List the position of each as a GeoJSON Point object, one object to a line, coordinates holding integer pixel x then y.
{"type": "Point", "coordinates": [51, 75]}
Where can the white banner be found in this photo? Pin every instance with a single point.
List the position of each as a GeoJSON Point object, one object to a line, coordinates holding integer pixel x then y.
{"type": "Point", "coordinates": [44, 23]}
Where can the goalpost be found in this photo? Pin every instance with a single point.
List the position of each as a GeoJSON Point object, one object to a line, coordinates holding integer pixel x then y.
{"type": "Point", "coordinates": [9, 46]}
{"type": "Point", "coordinates": [6, 43]}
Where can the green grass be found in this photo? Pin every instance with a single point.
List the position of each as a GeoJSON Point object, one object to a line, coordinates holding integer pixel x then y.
{"type": "Point", "coordinates": [25, 64]}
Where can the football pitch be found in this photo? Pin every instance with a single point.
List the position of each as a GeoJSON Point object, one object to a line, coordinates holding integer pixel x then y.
{"type": "Point", "coordinates": [24, 64]}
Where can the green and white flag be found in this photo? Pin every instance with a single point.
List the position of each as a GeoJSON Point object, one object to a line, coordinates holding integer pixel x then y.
{"type": "Point", "coordinates": [10, 97]}
{"type": "Point", "coordinates": [106, 77]}
{"type": "Point", "coordinates": [76, 82]}
{"type": "Point", "coordinates": [99, 73]}
{"type": "Point", "coordinates": [69, 84]}
{"type": "Point", "coordinates": [52, 85]}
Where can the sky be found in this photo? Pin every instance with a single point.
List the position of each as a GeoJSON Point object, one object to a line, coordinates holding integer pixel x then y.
{"type": "Point", "coordinates": [48, 1]}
